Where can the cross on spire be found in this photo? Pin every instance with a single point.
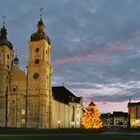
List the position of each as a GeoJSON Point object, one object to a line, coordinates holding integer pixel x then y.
{"type": "Point", "coordinates": [41, 12]}
{"type": "Point", "coordinates": [4, 20]}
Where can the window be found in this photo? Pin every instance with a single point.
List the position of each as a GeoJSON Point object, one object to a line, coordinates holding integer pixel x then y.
{"type": "Point", "coordinates": [23, 111]}
{"type": "Point", "coordinates": [73, 114]}
{"type": "Point", "coordinates": [37, 50]}
{"type": "Point", "coordinates": [14, 89]}
{"type": "Point", "coordinates": [23, 121]}
{"type": "Point", "coordinates": [8, 56]}
{"type": "Point", "coordinates": [37, 61]}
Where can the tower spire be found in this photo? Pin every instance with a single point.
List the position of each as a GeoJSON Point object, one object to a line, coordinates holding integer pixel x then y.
{"type": "Point", "coordinates": [41, 12]}
{"type": "Point", "coordinates": [4, 20]}
{"type": "Point", "coordinates": [40, 34]}
{"type": "Point", "coordinates": [41, 26]}
{"type": "Point", "coordinates": [3, 29]}
{"type": "Point", "coordinates": [3, 35]}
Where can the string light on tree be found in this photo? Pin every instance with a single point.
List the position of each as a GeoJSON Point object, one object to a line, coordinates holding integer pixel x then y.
{"type": "Point", "coordinates": [91, 118]}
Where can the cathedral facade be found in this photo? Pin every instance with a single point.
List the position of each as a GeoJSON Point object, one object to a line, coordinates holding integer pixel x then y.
{"type": "Point", "coordinates": [28, 99]}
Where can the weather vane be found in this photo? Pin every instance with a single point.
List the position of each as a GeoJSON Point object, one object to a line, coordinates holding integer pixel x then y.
{"type": "Point", "coordinates": [4, 20]}
{"type": "Point", "coordinates": [41, 11]}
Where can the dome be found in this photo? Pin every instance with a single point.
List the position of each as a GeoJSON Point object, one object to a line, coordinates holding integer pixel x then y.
{"type": "Point", "coordinates": [16, 59]}
{"type": "Point", "coordinates": [6, 42]}
{"type": "Point", "coordinates": [3, 38]}
{"type": "Point", "coordinates": [40, 34]}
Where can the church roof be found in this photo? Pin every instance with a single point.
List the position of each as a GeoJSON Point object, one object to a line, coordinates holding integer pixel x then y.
{"type": "Point", "coordinates": [120, 114]}
{"type": "Point", "coordinates": [63, 95]}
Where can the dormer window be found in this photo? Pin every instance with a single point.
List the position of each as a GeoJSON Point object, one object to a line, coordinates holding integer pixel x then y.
{"type": "Point", "coordinates": [37, 50]}
{"type": "Point", "coordinates": [37, 61]}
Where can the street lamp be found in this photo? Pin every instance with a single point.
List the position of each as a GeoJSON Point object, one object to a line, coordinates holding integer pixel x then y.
{"type": "Point", "coordinates": [58, 123]}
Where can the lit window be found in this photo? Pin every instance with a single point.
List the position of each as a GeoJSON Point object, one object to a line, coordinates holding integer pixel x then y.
{"type": "Point", "coordinates": [37, 61]}
{"type": "Point", "coordinates": [37, 50]}
{"type": "Point", "coordinates": [23, 111]}
{"type": "Point", "coordinates": [23, 121]}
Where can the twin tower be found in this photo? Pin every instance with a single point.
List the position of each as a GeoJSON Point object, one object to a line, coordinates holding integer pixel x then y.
{"type": "Point", "coordinates": [25, 99]}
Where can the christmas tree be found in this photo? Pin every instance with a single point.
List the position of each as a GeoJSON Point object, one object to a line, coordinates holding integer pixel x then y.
{"type": "Point", "coordinates": [91, 117]}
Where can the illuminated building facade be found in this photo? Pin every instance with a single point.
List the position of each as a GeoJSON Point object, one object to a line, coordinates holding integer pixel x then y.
{"type": "Point", "coordinates": [134, 114]}
{"type": "Point", "coordinates": [117, 119]}
{"type": "Point", "coordinates": [28, 99]}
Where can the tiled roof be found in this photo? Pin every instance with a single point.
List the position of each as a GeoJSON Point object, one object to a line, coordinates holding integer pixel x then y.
{"type": "Point", "coordinates": [63, 95]}
{"type": "Point", "coordinates": [107, 115]}
{"type": "Point", "coordinates": [120, 114]}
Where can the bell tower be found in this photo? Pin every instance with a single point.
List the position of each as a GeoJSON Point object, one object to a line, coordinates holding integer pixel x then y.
{"type": "Point", "coordinates": [6, 57]}
{"type": "Point", "coordinates": [39, 79]}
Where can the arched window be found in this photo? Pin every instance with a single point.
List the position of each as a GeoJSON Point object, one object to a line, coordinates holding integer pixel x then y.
{"type": "Point", "coordinates": [73, 114]}
{"type": "Point", "coordinates": [37, 50]}
{"type": "Point", "coordinates": [37, 61]}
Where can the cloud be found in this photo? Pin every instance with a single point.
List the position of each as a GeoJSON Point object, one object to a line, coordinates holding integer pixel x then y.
{"type": "Point", "coordinates": [96, 49]}
{"type": "Point", "coordinates": [117, 92]}
{"type": "Point", "coordinates": [89, 58]}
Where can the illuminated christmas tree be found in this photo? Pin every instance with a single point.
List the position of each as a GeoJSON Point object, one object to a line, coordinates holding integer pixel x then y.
{"type": "Point", "coordinates": [91, 117]}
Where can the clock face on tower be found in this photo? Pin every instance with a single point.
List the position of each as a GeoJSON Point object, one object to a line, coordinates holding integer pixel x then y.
{"type": "Point", "coordinates": [35, 76]}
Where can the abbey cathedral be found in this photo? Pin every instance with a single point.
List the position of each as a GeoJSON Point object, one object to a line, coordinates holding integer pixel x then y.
{"type": "Point", "coordinates": [28, 99]}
